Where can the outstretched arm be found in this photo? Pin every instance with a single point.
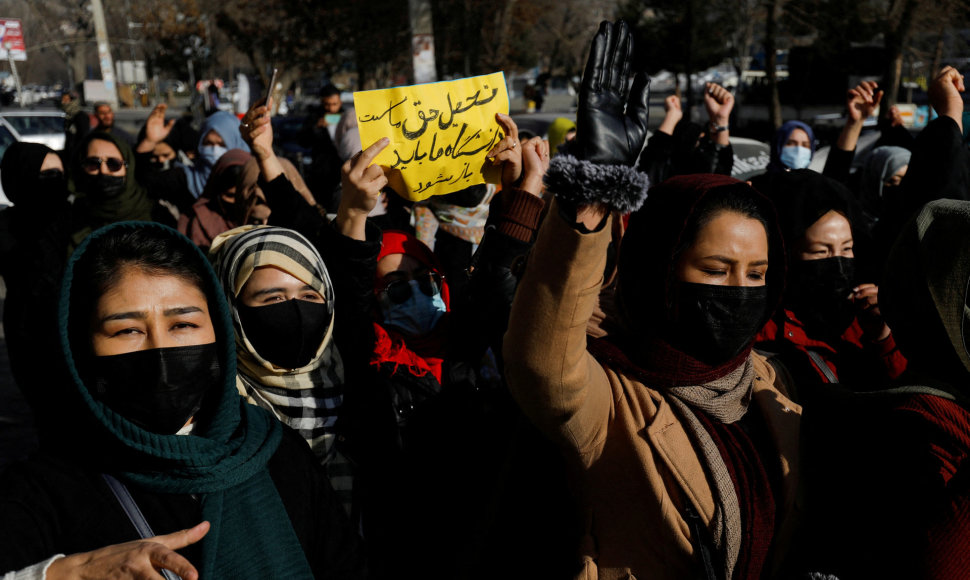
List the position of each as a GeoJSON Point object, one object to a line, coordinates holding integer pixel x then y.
{"type": "Point", "coordinates": [550, 373]}
{"type": "Point", "coordinates": [860, 102]}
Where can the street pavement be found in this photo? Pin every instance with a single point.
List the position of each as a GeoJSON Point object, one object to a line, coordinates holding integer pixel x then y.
{"type": "Point", "coordinates": [17, 437]}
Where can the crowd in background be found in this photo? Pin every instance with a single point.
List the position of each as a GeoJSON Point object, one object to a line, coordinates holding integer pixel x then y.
{"type": "Point", "coordinates": [619, 362]}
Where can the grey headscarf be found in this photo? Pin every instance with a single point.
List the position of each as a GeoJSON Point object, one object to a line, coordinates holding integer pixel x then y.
{"type": "Point", "coordinates": [883, 163]}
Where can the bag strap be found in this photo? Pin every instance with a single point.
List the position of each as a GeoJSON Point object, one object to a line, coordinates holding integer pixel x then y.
{"type": "Point", "coordinates": [824, 368]}
{"type": "Point", "coordinates": [134, 515]}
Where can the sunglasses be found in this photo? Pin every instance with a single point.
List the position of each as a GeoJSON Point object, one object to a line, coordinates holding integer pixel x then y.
{"type": "Point", "coordinates": [93, 164]}
{"type": "Point", "coordinates": [399, 291]}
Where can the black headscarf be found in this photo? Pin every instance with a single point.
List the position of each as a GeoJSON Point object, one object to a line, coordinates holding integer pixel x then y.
{"type": "Point", "coordinates": [20, 170]}
{"type": "Point", "coordinates": [801, 197]}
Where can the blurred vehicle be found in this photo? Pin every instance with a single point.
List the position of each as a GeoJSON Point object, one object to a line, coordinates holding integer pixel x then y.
{"type": "Point", "coordinates": [751, 157]}
{"type": "Point", "coordinates": [33, 126]}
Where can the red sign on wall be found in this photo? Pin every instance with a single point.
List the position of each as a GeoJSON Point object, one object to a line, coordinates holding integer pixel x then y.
{"type": "Point", "coordinates": [12, 40]}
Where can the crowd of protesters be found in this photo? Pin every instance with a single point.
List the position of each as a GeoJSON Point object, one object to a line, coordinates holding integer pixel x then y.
{"type": "Point", "coordinates": [619, 363]}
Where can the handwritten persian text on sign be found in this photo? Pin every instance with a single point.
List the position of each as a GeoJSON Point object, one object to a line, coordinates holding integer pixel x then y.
{"type": "Point", "coordinates": [440, 132]}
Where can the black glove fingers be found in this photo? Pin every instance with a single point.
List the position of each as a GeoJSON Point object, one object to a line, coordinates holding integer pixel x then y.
{"type": "Point", "coordinates": [638, 107]}
{"type": "Point", "coordinates": [622, 58]}
{"type": "Point", "coordinates": [593, 76]}
{"type": "Point", "coordinates": [613, 60]}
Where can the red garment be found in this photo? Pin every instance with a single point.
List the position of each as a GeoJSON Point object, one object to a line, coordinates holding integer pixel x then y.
{"type": "Point", "coordinates": [661, 365]}
{"type": "Point", "coordinates": [793, 331]}
{"type": "Point", "coordinates": [419, 355]}
{"type": "Point", "coordinates": [742, 449]}
{"type": "Point", "coordinates": [390, 347]}
{"type": "Point", "coordinates": [947, 448]}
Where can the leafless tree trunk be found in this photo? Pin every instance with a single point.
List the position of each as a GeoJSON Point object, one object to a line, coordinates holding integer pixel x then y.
{"type": "Point", "coordinates": [899, 24]}
{"type": "Point", "coordinates": [771, 64]}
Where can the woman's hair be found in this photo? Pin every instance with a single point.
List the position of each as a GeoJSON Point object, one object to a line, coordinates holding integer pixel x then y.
{"type": "Point", "coordinates": [734, 198]}
{"type": "Point", "coordinates": [148, 249]}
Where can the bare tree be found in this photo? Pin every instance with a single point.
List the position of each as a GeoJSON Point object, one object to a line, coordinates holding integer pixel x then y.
{"type": "Point", "coordinates": [771, 58]}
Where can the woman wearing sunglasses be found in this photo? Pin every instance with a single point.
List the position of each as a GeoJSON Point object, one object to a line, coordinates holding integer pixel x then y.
{"type": "Point", "coordinates": [103, 177]}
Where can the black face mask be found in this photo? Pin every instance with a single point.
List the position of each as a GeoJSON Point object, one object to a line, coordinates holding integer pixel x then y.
{"type": "Point", "coordinates": [818, 294]}
{"type": "Point", "coordinates": [105, 186]}
{"type": "Point", "coordinates": [287, 334]}
{"type": "Point", "coordinates": [715, 323]}
{"type": "Point", "coordinates": [50, 189]}
{"type": "Point", "coordinates": [158, 389]}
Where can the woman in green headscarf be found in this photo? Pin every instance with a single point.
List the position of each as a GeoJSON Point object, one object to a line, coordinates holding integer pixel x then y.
{"type": "Point", "coordinates": [103, 178]}
{"type": "Point", "coordinates": [147, 337]}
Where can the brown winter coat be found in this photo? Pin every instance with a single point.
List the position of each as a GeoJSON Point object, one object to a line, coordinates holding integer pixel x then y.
{"type": "Point", "coordinates": [638, 467]}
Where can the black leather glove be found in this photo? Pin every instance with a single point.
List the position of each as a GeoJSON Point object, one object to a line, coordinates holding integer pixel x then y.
{"type": "Point", "coordinates": [610, 128]}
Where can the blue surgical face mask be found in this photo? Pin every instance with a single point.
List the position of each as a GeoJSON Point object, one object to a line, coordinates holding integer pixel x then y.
{"type": "Point", "coordinates": [795, 157]}
{"type": "Point", "coordinates": [211, 153]}
{"type": "Point", "coordinates": [416, 316]}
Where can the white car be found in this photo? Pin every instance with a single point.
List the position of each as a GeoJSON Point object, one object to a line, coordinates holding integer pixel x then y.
{"type": "Point", "coordinates": [33, 126]}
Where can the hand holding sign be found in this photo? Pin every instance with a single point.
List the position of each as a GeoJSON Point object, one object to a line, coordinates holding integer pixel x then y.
{"type": "Point", "coordinates": [507, 152]}
{"type": "Point", "coordinates": [361, 184]}
{"type": "Point", "coordinates": [440, 133]}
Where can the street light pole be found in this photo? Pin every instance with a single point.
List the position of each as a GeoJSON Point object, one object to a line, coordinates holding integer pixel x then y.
{"type": "Point", "coordinates": [104, 52]}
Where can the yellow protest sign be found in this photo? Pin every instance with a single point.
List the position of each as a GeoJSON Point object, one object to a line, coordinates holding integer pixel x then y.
{"type": "Point", "coordinates": [440, 132]}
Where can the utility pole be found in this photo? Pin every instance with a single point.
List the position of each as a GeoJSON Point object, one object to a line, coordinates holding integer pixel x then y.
{"type": "Point", "coordinates": [104, 52]}
{"type": "Point", "coordinates": [422, 41]}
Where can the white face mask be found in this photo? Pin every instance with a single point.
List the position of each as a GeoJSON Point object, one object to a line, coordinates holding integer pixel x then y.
{"type": "Point", "coordinates": [211, 153]}
{"type": "Point", "coordinates": [796, 157]}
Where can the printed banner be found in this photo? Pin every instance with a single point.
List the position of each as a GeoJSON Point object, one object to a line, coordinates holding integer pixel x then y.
{"type": "Point", "coordinates": [439, 132]}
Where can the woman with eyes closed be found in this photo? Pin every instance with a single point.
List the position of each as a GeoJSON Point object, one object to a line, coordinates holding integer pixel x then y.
{"type": "Point", "coordinates": [686, 446]}
{"type": "Point", "coordinates": [161, 435]}
{"type": "Point", "coordinates": [282, 305]}
{"type": "Point", "coordinates": [829, 328]}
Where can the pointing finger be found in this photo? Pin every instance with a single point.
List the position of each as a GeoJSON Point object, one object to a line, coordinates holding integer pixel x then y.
{"type": "Point", "coordinates": [368, 155]}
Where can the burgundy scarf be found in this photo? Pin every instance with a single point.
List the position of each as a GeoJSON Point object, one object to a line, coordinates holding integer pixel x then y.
{"type": "Point", "coordinates": [659, 364]}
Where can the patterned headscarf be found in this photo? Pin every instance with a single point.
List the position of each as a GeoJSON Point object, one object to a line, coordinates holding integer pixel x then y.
{"type": "Point", "coordinates": [307, 398]}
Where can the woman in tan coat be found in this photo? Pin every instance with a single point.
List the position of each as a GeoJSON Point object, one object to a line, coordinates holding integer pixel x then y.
{"type": "Point", "coordinates": [685, 448]}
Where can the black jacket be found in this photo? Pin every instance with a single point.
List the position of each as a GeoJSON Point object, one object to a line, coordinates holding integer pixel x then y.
{"type": "Point", "coordinates": [52, 504]}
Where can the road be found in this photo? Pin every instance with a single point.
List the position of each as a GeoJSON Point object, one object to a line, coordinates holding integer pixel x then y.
{"type": "Point", "coordinates": [565, 105]}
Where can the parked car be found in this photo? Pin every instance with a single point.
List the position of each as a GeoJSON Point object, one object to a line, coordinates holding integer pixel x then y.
{"type": "Point", "coordinates": [33, 126]}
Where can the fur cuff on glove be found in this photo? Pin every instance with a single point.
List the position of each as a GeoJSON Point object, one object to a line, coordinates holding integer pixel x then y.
{"type": "Point", "coordinates": [582, 183]}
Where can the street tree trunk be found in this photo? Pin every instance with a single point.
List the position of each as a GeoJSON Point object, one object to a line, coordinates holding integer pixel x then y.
{"type": "Point", "coordinates": [771, 64]}
{"type": "Point", "coordinates": [899, 24]}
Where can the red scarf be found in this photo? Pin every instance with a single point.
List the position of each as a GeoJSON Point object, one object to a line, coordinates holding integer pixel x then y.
{"type": "Point", "coordinates": [389, 346]}
{"type": "Point", "coordinates": [660, 364]}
